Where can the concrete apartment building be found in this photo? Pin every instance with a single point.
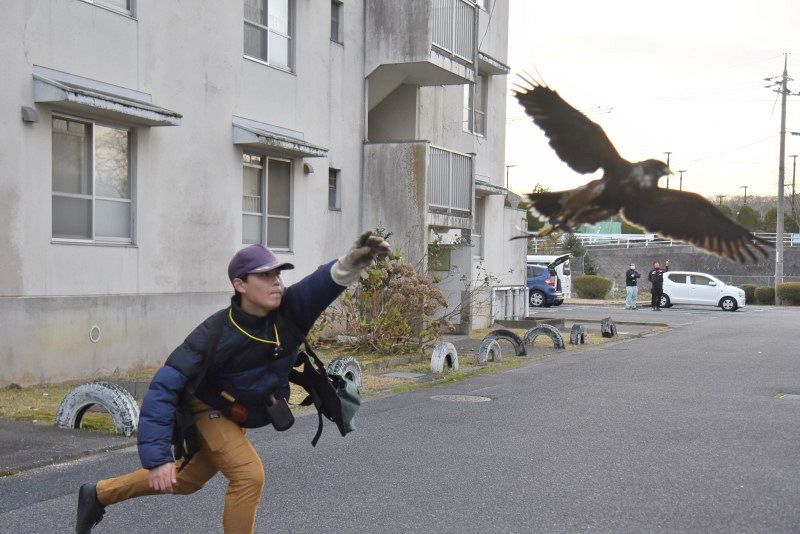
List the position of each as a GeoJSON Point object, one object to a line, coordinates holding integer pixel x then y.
{"type": "Point", "coordinates": [146, 141]}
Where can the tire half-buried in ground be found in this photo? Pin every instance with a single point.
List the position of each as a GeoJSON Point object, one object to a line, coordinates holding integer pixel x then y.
{"type": "Point", "coordinates": [511, 337]}
{"type": "Point", "coordinates": [489, 350]}
{"type": "Point", "coordinates": [608, 328]}
{"type": "Point", "coordinates": [116, 400]}
{"type": "Point", "coordinates": [577, 335]}
{"type": "Point", "coordinates": [547, 330]}
{"type": "Point", "coordinates": [348, 367]}
{"type": "Point", "coordinates": [444, 354]}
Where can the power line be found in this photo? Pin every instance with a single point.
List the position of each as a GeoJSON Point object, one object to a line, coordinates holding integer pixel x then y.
{"type": "Point", "coordinates": [731, 150]}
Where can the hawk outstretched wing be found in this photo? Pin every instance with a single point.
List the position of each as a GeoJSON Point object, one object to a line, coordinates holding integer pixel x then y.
{"type": "Point", "coordinates": [579, 142]}
{"type": "Point", "coordinates": [690, 218]}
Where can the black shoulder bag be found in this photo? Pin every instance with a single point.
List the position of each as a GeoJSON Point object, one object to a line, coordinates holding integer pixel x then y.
{"type": "Point", "coordinates": [334, 396]}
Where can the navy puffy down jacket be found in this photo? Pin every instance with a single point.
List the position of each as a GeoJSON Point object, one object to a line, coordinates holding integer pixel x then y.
{"type": "Point", "coordinates": [247, 369]}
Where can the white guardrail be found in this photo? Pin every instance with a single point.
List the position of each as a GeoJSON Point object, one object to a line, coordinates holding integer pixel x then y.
{"type": "Point", "coordinates": [650, 240]}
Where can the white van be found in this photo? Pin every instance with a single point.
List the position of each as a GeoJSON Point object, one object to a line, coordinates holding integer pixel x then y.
{"type": "Point", "coordinates": [559, 262]}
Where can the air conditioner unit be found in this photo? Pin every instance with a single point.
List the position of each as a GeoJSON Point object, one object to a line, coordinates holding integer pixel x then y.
{"type": "Point", "coordinates": [448, 237]}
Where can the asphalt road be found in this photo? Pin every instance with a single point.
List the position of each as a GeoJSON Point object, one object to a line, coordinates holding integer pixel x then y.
{"type": "Point", "coordinates": [678, 432]}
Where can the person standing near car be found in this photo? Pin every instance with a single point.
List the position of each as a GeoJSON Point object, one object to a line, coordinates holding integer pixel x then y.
{"type": "Point", "coordinates": [631, 280]}
{"type": "Point", "coordinates": [656, 277]}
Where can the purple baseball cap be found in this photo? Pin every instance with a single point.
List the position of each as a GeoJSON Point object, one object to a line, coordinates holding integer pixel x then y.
{"type": "Point", "coordinates": [254, 259]}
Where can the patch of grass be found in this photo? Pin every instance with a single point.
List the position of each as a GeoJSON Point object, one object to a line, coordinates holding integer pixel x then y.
{"type": "Point", "coordinates": [37, 404]}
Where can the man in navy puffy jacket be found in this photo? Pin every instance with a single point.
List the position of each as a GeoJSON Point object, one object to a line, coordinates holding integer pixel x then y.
{"type": "Point", "coordinates": [254, 354]}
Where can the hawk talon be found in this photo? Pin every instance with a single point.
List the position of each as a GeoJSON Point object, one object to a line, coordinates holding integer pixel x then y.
{"type": "Point", "coordinates": [544, 231]}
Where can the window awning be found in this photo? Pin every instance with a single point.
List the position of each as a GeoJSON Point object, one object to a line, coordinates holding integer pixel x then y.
{"type": "Point", "coordinates": [261, 140]}
{"type": "Point", "coordinates": [489, 65]}
{"type": "Point", "coordinates": [85, 101]}
{"type": "Point", "coordinates": [483, 189]}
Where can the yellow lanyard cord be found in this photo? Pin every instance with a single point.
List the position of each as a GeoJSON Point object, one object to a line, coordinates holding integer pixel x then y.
{"type": "Point", "coordinates": [243, 331]}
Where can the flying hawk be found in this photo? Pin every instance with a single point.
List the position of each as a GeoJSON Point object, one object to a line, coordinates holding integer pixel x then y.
{"type": "Point", "coordinates": [630, 189]}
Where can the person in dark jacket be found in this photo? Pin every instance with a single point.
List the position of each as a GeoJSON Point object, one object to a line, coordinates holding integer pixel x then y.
{"type": "Point", "coordinates": [631, 280]}
{"type": "Point", "coordinates": [656, 277]}
{"type": "Point", "coordinates": [255, 351]}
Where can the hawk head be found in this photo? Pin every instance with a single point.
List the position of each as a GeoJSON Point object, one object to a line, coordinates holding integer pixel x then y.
{"type": "Point", "coordinates": [645, 174]}
{"type": "Point", "coordinates": [655, 168]}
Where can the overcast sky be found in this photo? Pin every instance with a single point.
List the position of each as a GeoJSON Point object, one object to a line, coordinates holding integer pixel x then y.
{"type": "Point", "coordinates": [680, 76]}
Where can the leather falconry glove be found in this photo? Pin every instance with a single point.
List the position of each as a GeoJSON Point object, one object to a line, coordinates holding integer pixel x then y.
{"type": "Point", "coordinates": [367, 247]}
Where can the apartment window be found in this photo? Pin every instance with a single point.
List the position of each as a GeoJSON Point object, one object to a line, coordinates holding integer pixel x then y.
{"type": "Point", "coordinates": [439, 258]}
{"type": "Point", "coordinates": [124, 6]}
{"type": "Point", "coordinates": [475, 105]}
{"type": "Point", "coordinates": [334, 194]}
{"type": "Point", "coordinates": [337, 27]}
{"type": "Point", "coordinates": [91, 191]}
{"type": "Point", "coordinates": [268, 31]}
{"type": "Point", "coordinates": [266, 201]}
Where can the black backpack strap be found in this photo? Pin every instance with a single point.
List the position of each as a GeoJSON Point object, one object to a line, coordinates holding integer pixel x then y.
{"type": "Point", "coordinates": [211, 348]}
{"type": "Point", "coordinates": [305, 378]}
{"type": "Point", "coordinates": [185, 438]}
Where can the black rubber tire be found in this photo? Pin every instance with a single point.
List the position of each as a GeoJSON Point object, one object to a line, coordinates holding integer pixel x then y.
{"type": "Point", "coordinates": [577, 334]}
{"type": "Point", "coordinates": [665, 302]}
{"type": "Point", "coordinates": [116, 400]}
{"type": "Point", "coordinates": [489, 351]}
{"type": "Point", "coordinates": [348, 367]}
{"type": "Point", "coordinates": [728, 304]}
{"type": "Point", "coordinates": [511, 337]}
{"type": "Point", "coordinates": [537, 299]}
{"type": "Point", "coordinates": [547, 330]}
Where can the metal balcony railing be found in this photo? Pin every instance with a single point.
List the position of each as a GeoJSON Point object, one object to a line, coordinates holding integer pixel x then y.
{"type": "Point", "coordinates": [450, 180]}
{"type": "Point", "coordinates": [251, 204]}
{"type": "Point", "coordinates": [453, 24]}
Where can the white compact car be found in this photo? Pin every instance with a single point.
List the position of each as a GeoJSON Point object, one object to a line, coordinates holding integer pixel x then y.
{"type": "Point", "coordinates": [682, 287]}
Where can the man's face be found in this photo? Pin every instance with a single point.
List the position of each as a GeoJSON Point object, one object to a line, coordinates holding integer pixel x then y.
{"type": "Point", "coordinates": [261, 291]}
{"type": "Point", "coordinates": [657, 265]}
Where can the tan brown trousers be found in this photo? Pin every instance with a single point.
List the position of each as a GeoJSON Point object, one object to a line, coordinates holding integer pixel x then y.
{"type": "Point", "coordinates": [225, 448]}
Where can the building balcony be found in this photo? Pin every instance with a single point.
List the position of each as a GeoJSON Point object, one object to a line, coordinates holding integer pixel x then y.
{"type": "Point", "coordinates": [412, 186]}
{"type": "Point", "coordinates": [420, 42]}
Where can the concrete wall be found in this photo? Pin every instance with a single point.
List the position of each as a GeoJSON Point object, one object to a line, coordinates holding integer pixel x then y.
{"type": "Point", "coordinates": [51, 339]}
{"type": "Point", "coordinates": [395, 118]}
{"type": "Point", "coordinates": [394, 194]}
{"type": "Point", "coordinates": [493, 30]}
{"type": "Point", "coordinates": [399, 32]}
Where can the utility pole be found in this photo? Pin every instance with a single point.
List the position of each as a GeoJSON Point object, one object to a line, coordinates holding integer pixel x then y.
{"type": "Point", "coordinates": [745, 192]}
{"type": "Point", "coordinates": [779, 86]}
{"type": "Point", "coordinates": [719, 199]}
{"type": "Point", "coordinates": [668, 153]}
{"type": "Point", "coordinates": [680, 186]}
{"type": "Point", "coordinates": [794, 171]}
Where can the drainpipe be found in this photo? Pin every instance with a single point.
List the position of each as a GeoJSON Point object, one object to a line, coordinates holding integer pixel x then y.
{"type": "Point", "coordinates": [364, 122]}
